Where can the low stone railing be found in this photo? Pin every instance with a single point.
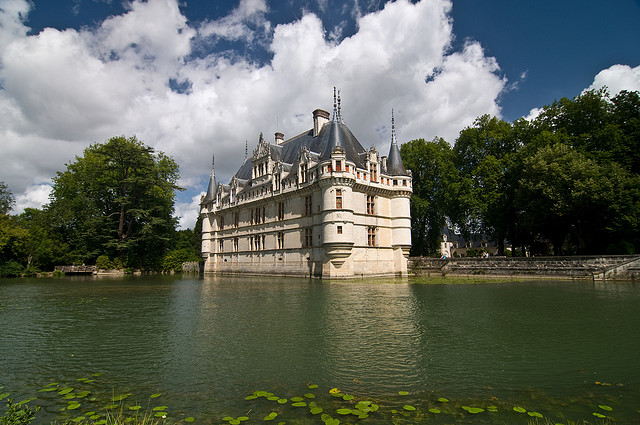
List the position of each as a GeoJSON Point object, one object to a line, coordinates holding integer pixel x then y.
{"type": "Point", "coordinates": [582, 267]}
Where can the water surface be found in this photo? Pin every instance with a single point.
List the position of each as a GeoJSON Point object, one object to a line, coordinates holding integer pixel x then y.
{"type": "Point", "coordinates": [206, 343]}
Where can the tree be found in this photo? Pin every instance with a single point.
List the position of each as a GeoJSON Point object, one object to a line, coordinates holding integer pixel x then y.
{"type": "Point", "coordinates": [434, 186]}
{"type": "Point", "coordinates": [569, 198]}
{"type": "Point", "coordinates": [117, 200]}
{"type": "Point", "coordinates": [7, 200]}
{"type": "Point", "coordinates": [486, 155]}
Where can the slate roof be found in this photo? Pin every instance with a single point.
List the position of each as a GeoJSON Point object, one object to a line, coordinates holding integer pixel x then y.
{"type": "Point", "coordinates": [331, 135]}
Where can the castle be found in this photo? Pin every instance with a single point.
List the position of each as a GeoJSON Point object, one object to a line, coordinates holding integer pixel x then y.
{"type": "Point", "coordinates": [317, 204]}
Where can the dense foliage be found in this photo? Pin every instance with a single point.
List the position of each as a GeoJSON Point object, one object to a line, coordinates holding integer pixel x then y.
{"type": "Point", "coordinates": [566, 182]}
{"type": "Point", "coordinates": [113, 206]}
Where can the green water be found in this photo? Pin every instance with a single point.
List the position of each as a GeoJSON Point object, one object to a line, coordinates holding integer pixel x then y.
{"type": "Point", "coordinates": [205, 344]}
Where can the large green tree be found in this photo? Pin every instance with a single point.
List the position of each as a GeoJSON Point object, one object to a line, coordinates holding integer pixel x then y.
{"type": "Point", "coordinates": [486, 155]}
{"type": "Point", "coordinates": [117, 200]}
{"type": "Point", "coordinates": [435, 181]}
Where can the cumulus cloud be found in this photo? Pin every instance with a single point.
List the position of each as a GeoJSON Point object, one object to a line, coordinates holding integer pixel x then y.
{"type": "Point", "coordinates": [617, 78]}
{"type": "Point", "coordinates": [63, 90]}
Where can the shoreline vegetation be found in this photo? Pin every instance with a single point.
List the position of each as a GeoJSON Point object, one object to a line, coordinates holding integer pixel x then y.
{"type": "Point", "coordinates": [90, 401]}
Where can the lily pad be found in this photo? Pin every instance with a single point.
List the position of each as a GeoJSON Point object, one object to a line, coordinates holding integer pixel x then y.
{"type": "Point", "coordinates": [251, 397]}
{"type": "Point", "coordinates": [408, 407]}
{"type": "Point", "coordinates": [315, 410]}
{"type": "Point", "coordinates": [189, 419]}
{"type": "Point", "coordinates": [403, 392]}
{"type": "Point", "coordinates": [599, 415]}
{"type": "Point", "coordinates": [161, 414]}
{"type": "Point", "coordinates": [343, 411]}
{"type": "Point", "coordinates": [605, 407]}
{"type": "Point", "coordinates": [65, 391]}
{"type": "Point", "coordinates": [273, 398]}
{"type": "Point", "coordinates": [282, 401]}
{"type": "Point", "coordinates": [78, 419]}
{"type": "Point", "coordinates": [157, 408]}
{"type": "Point", "coordinates": [347, 397]}
{"type": "Point", "coordinates": [155, 395]}
{"type": "Point", "coordinates": [312, 386]}
{"type": "Point", "coordinates": [94, 417]}
{"type": "Point", "coordinates": [443, 400]}
{"type": "Point", "coordinates": [271, 416]}
{"type": "Point", "coordinates": [433, 410]}
{"type": "Point", "coordinates": [73, 406]}
{"type": "Point", "coordinates": [519, 409]}
{"type": "Point", "coordinates": [299, 404]}
{"type": "Point", "coordinates": [134, 408]}
{"type": "Point", "coordinates": [535, 414]}
{"type": "Point", "coordinates": [47, 389]}
{"type": "Point", "coordinates": [473, 410]}
{"type": "Point", "coordinates": [297, 399]}
{"type": "Point", "coordinates": [120, 397]}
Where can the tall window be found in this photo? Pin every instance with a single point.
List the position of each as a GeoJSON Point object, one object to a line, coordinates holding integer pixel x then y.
{"type": "Point", "coordinates": [308, 238]}
{"type": "Point", "coordinates": [251, 211]}
{"type": "Point", "coordinates": [236, 219]}
{"type": "Point", "coordinates": [339, 199]}
{"type": "Point", "coordinates": [371, 204]}
{"type": "Point", "coordinates": [235, 244]}
{"type": "Point", "coordinates": [220, 245]}
{"type": "Point", "coordinates": [280, 240]}
{"type": "Point", "coordinates": [221, 222]}
{"type": "Point", "coordinates": [303, 173]}
{"type": "Point", "coordinates": [371, 236]}
{"type": "Point", "coordinates": [280, 210]}
{"type": "Point", "coordinates": [338, 165]}
{"type": "Point", "coordinates": [374, 172]}
{"type": "Point", "coordinates": [308, 205]}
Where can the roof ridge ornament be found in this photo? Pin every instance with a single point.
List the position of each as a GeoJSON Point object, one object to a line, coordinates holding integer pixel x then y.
{"type": "Point", "coordinates": [394, 141]}
{"type": "Point", "coordinates": [339, 108]}
{"type": "Point", "coordinates": [335, 106]}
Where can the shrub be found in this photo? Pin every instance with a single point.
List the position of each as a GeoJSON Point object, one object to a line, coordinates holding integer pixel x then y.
{"type": "Point", "coordinates": [11, 269]}
{"type": "Point", "coordinates": [18, 414]}
{"type": "Point", "coordinates": [174, 259]}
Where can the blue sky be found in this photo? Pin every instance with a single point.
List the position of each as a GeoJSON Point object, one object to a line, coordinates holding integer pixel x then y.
{"type": "Point", "coordinates": [197, 77]}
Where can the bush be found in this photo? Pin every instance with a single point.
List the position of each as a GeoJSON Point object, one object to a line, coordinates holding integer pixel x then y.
{"type": "Point", "coordinates": [18, 414]}
{"type": "Point", "coordinates": [174, 259]}
{"type": "Point", "coordinates": [11, 269]}
{"type": "Point", "coordinates": [105, 263]}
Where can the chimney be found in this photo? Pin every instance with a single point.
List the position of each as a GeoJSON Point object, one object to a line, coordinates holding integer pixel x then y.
{"type": "Point", "coordinates": [279, 138]}
{"type": "Point", "coordinates": [320, 118]}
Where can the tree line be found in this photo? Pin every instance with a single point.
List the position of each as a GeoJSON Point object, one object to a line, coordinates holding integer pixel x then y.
{"type": "Point", "coordinates": [113, 206]}
{"type": "Point", "coordinates": [566, 182]}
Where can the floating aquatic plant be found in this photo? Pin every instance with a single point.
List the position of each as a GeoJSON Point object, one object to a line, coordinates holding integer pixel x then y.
{"type": "Point", "coordinates": [473, 410]}
{"type": "Point", "coordinates": [408, 407]}
{"type": "Point", "coordinates": [519, 409]}
{"type": "Point", "coordinates": [403, 392]}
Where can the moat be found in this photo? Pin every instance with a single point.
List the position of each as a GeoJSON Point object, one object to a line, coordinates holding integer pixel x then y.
{"type": "Point", "coordinates": [560, 348]}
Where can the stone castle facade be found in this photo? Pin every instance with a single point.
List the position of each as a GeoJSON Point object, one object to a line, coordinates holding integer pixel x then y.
{"type": "Point", "coordinates": [317, 204]}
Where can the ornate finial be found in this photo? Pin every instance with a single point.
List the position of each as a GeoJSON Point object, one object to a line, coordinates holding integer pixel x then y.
{"type": "Point", "coordinates": [213, 161]}
{"type": "Point", "coordinates": [335, 106]}
{"type": "Point", "coordinates": [339, 108]}
{"type": "Point", "coordinates": [246, 149]}
{"type": "Point", "coordinates": [393, 129]}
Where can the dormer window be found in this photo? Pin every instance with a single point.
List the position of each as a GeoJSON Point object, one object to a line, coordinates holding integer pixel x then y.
{"type": "Point", "coordinates": [338, 165]}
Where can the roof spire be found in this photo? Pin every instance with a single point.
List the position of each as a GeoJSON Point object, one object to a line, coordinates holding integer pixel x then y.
{"type": "Point", "coordinates": [395, 166]}
{"type": "Point", "coordinates": [246, 149]}
{"type": "Point", "coordinates": [335, 106]}
{"type": "Point", "coordinates": [212, 189]}
{"type": "Point", "coordinates": [339, 109]}
{"type": "Point", "coordinates": [393, 129]}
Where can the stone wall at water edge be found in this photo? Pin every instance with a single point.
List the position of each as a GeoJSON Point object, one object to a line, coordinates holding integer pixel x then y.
{"type": "Point", "coordinates": [615, 267]}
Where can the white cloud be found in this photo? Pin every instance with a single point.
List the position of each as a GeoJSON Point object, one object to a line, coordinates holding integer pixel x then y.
{"type": "Point", "coordinates": [63, 90]}
{"type": "Point", "coordinates": [187, 212]}
{"type": "Point", "coordinates": [34, 197]}
{"type": "Point", "coordinates": [241, 23]}
{"type": "Point", "coordinates": [617, 78]}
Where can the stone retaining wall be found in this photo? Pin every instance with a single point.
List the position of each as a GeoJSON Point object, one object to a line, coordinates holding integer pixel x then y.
{"type": "Point", "coordinates": [622, 267]}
